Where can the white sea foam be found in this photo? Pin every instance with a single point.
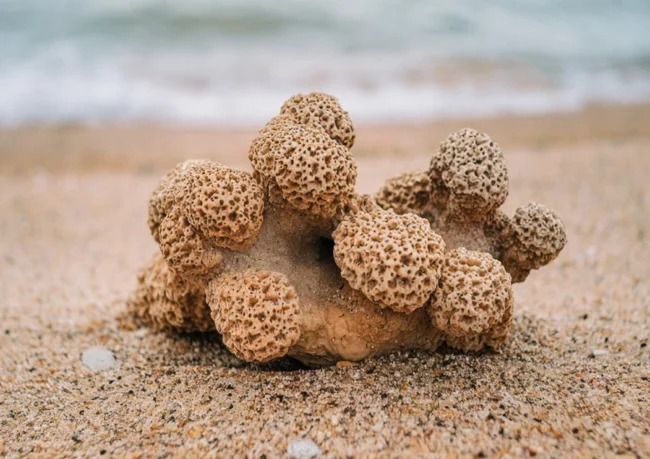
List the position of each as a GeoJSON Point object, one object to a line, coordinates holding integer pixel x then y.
{"type": "Point", "coordinates": [234, 62]}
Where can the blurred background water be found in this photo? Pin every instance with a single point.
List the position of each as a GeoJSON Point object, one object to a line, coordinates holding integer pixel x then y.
{"type": "Point", "coordinates": [234, 61]}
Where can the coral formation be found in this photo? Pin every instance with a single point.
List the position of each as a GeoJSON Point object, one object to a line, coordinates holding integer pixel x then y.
{"type": "Point", "coordinates": [394, 260]}
{"type": "Point", "coordinates": [256, 312]}
{"type": "Point", "coordinates": [289, 260]}
{"type": "Point", "coordinates": [460, 196]}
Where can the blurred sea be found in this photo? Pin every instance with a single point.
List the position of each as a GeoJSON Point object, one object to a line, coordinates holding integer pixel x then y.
{"type": "Point", "coordinates": [234, 61]}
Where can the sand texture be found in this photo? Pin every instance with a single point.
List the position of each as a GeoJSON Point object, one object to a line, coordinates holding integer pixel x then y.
{"type": "Point", "coordinates": [574, 381]}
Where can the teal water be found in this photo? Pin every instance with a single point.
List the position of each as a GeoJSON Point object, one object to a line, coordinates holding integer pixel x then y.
{"type": "Point", "coordinates": [234, 61]}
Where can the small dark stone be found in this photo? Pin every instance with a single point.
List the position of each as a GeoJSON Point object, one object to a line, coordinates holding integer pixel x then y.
{"type": "Point", "coordinates": [480, 454]}
{"type": "Point", "coordinates": [574, 430]}
{"type": "Point", "coordinates": [76, 439]}
{"type": "Point", "coordinates": [585, 317]}
{"type": "Point", "coordinates": [102, 452]}
{"type": "Point", "coordinates": [131, 392]}
{"type": "Point", "coordinates": [7, 332]}
{"type": "Point", "coordinates": [384, 395]}
{"type": "Point", "coordinates": [644, 345]}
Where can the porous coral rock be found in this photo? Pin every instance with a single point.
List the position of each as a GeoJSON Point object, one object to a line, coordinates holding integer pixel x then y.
{"type": "Point", "coordinates": [533, 239]}
{"type": "Point", "coordinates": [184, 248]}
{"type": "Point", "coordinates": [322, 110]}
{"type": "Point", "coordinates": [460, 195]}
{"type": "Point", "coordinates": [166, 301]}
{"type": "Point", "coordinates": [201, 207]}
{"type": "Point", "coordinates": [294, 263]}
{"type": "Point", "coordinates": [468, 174]}
{"type": "Point", "coordinates": [474, 297]}
{"type": "Point", "coordinates": [224, 204]}
{"type": "Point", "coordinates": [407, 193]}
{"type": "Point", "coordinates": [348, 326]}
{"type": "Point", "coordinates": [168, 193]}
{"type": "Point", "coordinates": [313, 173]}
{"type": "Point", "coordinates": [393, 259]}
{"type": "Point", "coordinates": [256, 312]}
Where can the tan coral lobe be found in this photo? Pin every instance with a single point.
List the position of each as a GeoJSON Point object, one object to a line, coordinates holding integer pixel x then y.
{"type": "Point", "coordinates": [184, 248]}
{"type": "Point", "coordinates": [225, 205]}
{"type": "Point", "coordinates": [474, 296]}
{"type": "Point", "coordinates": [166, 301]}
{"type": "Point", "coordinates": [256, 312]}
{"type": "Point", "coordinates": [262, 151]}
{"type": "Point", "coordinates": [469, 168]}
{"type": "Point", "coordinates": [168, 193]}
{"type": "Point", "coordinates": [324, 111]}
{"type": "Point", "coordinates": [534, 238]}
{"type": "Point", "coordinates": [314, 173]}
{"type": "Point", "coordinates": [394, 260]}
{"type": "Point", "coordinates": [406, 193]}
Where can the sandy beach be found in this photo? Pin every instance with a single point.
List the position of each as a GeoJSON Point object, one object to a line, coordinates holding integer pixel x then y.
{"type": "Point", "coordinates": [573, 382]}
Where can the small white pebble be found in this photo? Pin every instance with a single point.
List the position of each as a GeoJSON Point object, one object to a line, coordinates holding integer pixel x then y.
{"type": "Point", "coordinates": [599, 352]}
{"type": "Point", "coordinates": [303, 448]}
{"type": "Point", "coordinates": [98, 358]}
{"type": "Point", "coordinates": [335, 421]}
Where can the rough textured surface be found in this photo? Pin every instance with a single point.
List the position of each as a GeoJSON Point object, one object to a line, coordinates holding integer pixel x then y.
{"type": "Point", "coordinates": [460, 196]}
{"type": "Point", "coordinates": [409, 192]}
{"type": "Point", "coordinates": [313, 172]}
{"type": "Point", "coordinates": [533, 239]}
{"type": "Point", "coordinates": [324, 111]}
{"type": "Point", "coordinates": [469, 168]}
{"type": "Point", "coordinates": [473, 304]}
{"type": "Point", "coordinates": [224, 204]}
{"type": "Point", "coordinates": [166, 301]}
{"type": "Point", "coordinates": [353, 328]}
{"type": "Point", "coordinates": [184, 248]}
{"type": "Point", "coordinates": [65, 271]}
{"type": "Point", "coordinates": [167, 194]}
{"type": "Point", "coordinates": [261, 152]}
{"type": "Point", "coordinates": [221, 204]}
{"type": "Point", "coordinates": [256, 312]}
{"type": "Point", "coordinates": [395, 260]}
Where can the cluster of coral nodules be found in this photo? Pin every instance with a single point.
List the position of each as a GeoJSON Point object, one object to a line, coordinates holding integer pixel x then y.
{"type": "Point", "coordinates": [289, 260]}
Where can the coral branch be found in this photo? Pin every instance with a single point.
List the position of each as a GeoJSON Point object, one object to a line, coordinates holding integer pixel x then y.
{"type": "Point", "coordinates": [460, 195]}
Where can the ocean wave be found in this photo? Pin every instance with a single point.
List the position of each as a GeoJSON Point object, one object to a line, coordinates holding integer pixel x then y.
{"type": "Point", "coordinates": [235, 61]}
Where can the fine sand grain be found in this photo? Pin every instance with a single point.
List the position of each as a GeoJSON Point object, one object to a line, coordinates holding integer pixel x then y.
{"type": "Point", "coordinates": [575, 381]}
